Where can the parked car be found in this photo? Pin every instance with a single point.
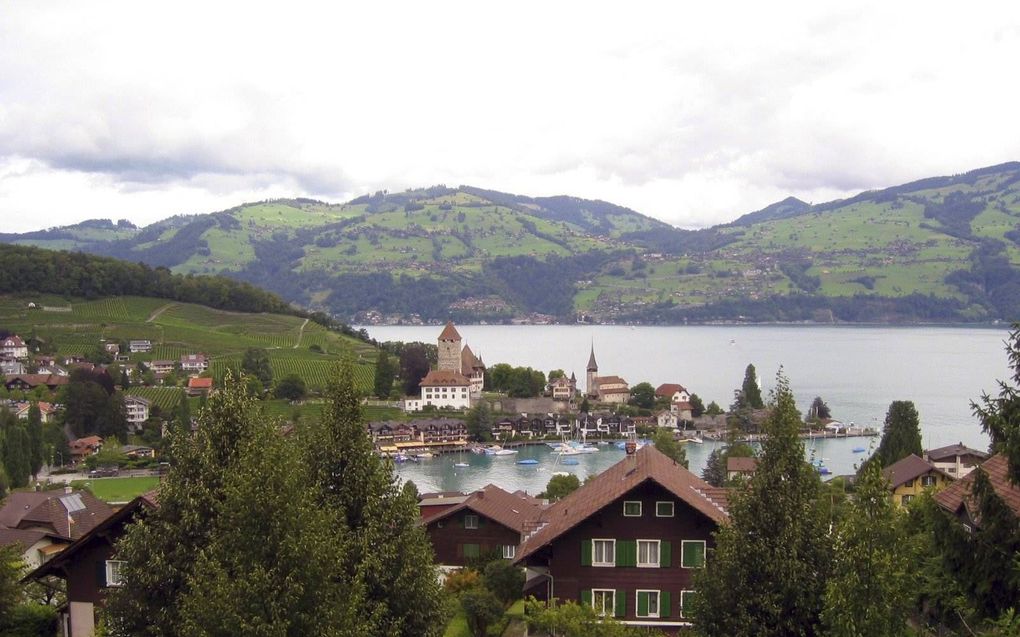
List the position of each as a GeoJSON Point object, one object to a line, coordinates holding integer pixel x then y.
{"type": "Point", "coordinates": [104, 472]}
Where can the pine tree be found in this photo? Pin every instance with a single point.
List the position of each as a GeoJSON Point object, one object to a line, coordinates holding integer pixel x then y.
{"type": "Point", "coordinates": [385, 372]}
{"type": "Point", "coordinates": [767, 573]}
{"type": "Point", "coordinates": [901, 435]}
{"type": "Point", "coordinates": [35, 439]}
{"type": "Point", "coordinates": [390, 558]}
{"type": "Point", "coordinates": [750, 391]}
{"type": "Point", "coordinates": [868, 594]}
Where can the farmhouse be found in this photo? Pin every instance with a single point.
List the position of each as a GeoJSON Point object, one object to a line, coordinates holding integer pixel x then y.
{"type": "Point", "coordinates": [85, 447]}
{"type": "Point", "coordinates": [628, 541]}
{"type": "Point", "coordinates": [13, 347]}
{"type": "Point", "coordinates": [46, 411]}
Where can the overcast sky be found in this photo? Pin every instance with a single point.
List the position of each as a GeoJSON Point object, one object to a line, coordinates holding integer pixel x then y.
{"type": "Point", "coordinates": [691, 114]}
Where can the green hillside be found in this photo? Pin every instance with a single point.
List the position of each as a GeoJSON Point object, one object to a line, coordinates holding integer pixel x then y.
{"type": "Point", "coordinates": [77, 327]}
{"type": "Point", "coordinates": [940, 249]}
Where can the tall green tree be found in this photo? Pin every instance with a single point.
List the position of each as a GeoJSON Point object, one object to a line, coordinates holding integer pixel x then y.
{"type": "Point", "coordinates": [697, 406]}
{"type": "Point", "coordinates": [666, 442]}
{"type": "Point", "coordinates": [869, 591]}
{"type": "Point", "coordinates": [385, 372]}
{"type": "Point", "coordinates": [560, 487]}
{"type": "Point", "coordinates": [819, 410]}
{"type": "Point", "coordinates": [34, 425]}
{"type": "Point", "coordinates": [15, 449]}
{"type": "Point", "coordinates": [390, 557]}
{"type": "Point", "coordinates": [479, 422]}
{"type": "Point", "coordinates": [182, 417]}
{"type": "Point", "coordinates": [901, 435]}
{"type": "Point", "coordinates": [749, 391]}
{"type": "Point", "coordinates": [1000, 414]}
{"type": "Point", "coordinates": [642, 395]}
{"type": "Point", "coordinates": [161, 553]}
{"type": "Point", "coordinates": [255, 362]}
{"type": "Point", "coordinates": [768, 572]}
{"type": "Point", "coordinates": [414, 365]}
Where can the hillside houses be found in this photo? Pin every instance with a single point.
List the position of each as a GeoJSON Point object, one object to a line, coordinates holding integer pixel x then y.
{"type": "Point", "coordinates": [13, 347]}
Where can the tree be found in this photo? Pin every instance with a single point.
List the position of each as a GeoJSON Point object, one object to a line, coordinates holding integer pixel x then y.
{"type": "Point", "coordinates": [901, 435]}
{"type": "Point", "coordinates": [505, 580]}
{"type": "Point", "coordinates": [713, 409]}
{"type": "Point", "coordinates": [256, 363]}
{"type": "Point", "coordinates": [749, 390]}
{"type": "Point", "coordinates": [35, 439]}
{"type": "Point", "coordinates": [819, 410]}
{"type": "Point", "coordinates": [481, 609]}
{"type": "Point", "coordinates": [10, 576]}
{"type": "Point", "coordinates": [570, 619]}
{"type": "Point", "coordinates": [585, 406]}
{"type": "Point", "coordinates": [384, 375]}
{"type": "Point", "coordinates": [183, 414]}
{"type": "Point", "coordinates": [479, 422]}
{"type": "Point", "coordinates": [16, 450]}
{"type": "Point", "coordinates": [556, 373]}
{"type": "Point", "coordinates": [1000, 415]}
{"type": "Point", "coordinates": [390, 557]}
{"type": "Point", "coordinates": [290, 387]}
{"type": "Point", "coordinates": [771, 562]}
{"type": "Point", "coordinates": [665, 441]}
{"type": "Point", "coordinates": [697, 406]}
{"type": "Point", "coordinates": [868, 593]}
{"type": "Point", "coordinates": [560, 487]}
{"type": "Point", "coordinates": [85, 403]}
{"type": "Point", "coordinates": [642, 395]}
{"type": "Point", "coordinates": [714, 472]}
{"type": "Point", "coordinates": [414, 365]}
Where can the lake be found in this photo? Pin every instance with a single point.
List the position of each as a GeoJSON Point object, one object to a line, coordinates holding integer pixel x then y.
{"type": "Point", "coordinates": [858, 371]}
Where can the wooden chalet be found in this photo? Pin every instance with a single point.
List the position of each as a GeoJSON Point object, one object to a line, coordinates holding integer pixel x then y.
{"type": "Point", "coordinates": [627, 542]}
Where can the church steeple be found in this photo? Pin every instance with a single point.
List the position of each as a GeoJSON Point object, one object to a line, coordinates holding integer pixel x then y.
{"type": "Point", "coordinates": [592, 365]}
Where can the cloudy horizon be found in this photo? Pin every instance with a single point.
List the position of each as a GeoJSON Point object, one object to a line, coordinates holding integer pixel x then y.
{"type": "Point", "coordinates": [693, 116]}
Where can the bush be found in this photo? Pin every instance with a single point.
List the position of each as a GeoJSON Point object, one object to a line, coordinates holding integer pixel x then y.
{"type": "Point", "coordinates": [481, 608]}
{"type": "Point", "coordinates": [30, 620]}
{"type": "Point", "coordinates": [461, 580]}
{"type": "Point", "coordinates": [505, 580]}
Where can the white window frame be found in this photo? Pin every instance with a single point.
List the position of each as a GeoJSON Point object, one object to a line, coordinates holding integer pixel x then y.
{"type": "Point", "coordinates": [634, 515]}
{"type": "Point", "coordinates": [928, 481]}
{"type": "Point", "coordinates": [594, 561]}
{"type": "Point", "coordinates": [470, 521]}
{"type": "Point", "coordinates": [658, 601]}
{"type": "Point", "coordinates": [509, 551]}
{"type": "Point", "coordinates": [113, 572]}
{"type": "Point", "coordinates": [609, 593]}
{"type": "Point", "coordinates": [658, 553]}
{"type": "Point", "coordinates": [704, 552]}
{"type": "Point", "coordinates": [672, 508]}
{"type": "Point", "coordinates": [682, 593]}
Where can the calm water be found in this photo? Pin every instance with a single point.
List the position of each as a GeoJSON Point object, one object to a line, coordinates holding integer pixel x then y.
{"type": "Point", "coordinates": [858, 371]}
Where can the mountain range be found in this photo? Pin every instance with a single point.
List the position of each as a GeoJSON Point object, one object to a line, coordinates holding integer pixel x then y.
{"type": "Point", "coordinates": [938, 249]}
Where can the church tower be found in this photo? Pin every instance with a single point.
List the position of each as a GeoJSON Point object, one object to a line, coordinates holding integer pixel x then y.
{"type": "Point", "coordinates": [449, 349]}
{"type": "Point", "coordinates": [593, 372]}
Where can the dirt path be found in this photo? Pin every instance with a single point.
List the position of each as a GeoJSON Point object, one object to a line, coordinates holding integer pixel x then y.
{"type": "Point", "coordinates": [159, 311]}
{"type": "Point", "coordinates": [300, 334]}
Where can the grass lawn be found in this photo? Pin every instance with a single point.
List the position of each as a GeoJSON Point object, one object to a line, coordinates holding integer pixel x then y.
{"type": "Point", "coordinates": [118, 489]}
{"type": "Point", "coordinates": [458, 626]}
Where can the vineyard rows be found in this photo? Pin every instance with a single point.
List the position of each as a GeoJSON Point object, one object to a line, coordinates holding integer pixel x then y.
{"type": "Point", "coordinates": [166, 398]}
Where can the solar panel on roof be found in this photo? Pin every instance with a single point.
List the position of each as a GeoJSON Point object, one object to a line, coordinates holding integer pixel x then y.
{"type": "Point", "coordinates": [72, 503]}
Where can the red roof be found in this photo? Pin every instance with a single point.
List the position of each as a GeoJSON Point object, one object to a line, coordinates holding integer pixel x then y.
{"type": "Point", "coordinates": [741, 464]}
{"type": "Point", "coordinates": [200, 383]}
{"type": "Point", "coordinates": [666, 390]}
{"type": "Point", "coordinates": [444, 378]}
{"type": "Point", "coordinates": [13, 341]}
{"type": "Point", "coordinates": [449, 333]}
{"type": "Point", "coordinates": [959, 493]}
{"type": "Point", "coordinates": [646, 464]}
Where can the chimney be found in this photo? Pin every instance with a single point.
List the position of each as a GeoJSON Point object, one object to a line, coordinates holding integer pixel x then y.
{"type": "Point", "coordinates": [67, 489]}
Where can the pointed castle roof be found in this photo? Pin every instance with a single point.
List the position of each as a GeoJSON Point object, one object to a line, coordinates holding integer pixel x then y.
{"type": "Point", "coordinates": [592, 365]}
{"type": "Point", "coordinates": [449, 333]}
{"type": "Point", "coordinates": [469, 361]}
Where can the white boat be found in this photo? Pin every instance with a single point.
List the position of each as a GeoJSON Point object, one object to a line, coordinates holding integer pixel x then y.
{"type": "Point", "coordinates": [496, 450]}
{"type": "Point", "coordinates": [425, 455]}
{"type": "Point", "coordinates": [461, 464]}
{"type": "Point", "coordinates": [695, 440]}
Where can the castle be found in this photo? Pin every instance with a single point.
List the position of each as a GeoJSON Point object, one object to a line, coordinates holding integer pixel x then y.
{"type": "Point", "coordinates": [454, 358]}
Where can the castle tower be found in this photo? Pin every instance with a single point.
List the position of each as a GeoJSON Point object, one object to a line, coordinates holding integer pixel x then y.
{"type": "Point", "coordinates": [449, 349]}
{"type": "Point", "coordinates": [593, 372]}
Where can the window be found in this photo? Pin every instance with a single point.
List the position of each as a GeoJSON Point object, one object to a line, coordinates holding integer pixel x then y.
{"type": "Point", "coordinates": [927, 481]}
{"type": "Point", "coordinates": [632, 509]}
{"type": "Point", "coordinates": [909, 483]}
{"type": "Point", "coordinates": [113, 573]}
{"type": "Point", "coordinates": [470, 521]}
{"type": "Point", "coordinates": [663, 509]}
{"type": "Point", "coordinates": [907, 499]}
{"type": "Point", "coordinates": [685, 600]}
{"type": "Point", "coordinates": [648, 603]}
{"type": "Point", "coordinates": [603, 552]}
{"type": "Point", "coordinates": [472, 550]}
{"type": "Point", "coordinates": [648, 553]}
{"type": "Point", "coordinates": [603, 601]}
{"type": "Point", "coordinates": [692, 553]}
{"type": "Point", "coordinates": [509, 551]}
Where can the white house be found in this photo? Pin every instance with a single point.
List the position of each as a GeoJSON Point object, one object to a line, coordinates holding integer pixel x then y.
{"type": "Point", "coordinates": [194, 363]}
{"type": "Point", "coordinates": [140, 346]}
{"type": "Point", "coordinates": [137, 409]}
{"type": "Point", "coordinates": [13, 347]}
{"type": "Point", "coordinates": [446, 389]}
{"type": "Point", "coordinates": [667, 418]}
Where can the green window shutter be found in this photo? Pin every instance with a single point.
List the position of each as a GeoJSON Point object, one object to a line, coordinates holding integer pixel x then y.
{"type": "Point", "coordinates": [664, 604]}
{"type": "Point", "coordinates": [694, 555]}
{"type": "Point", "coordinates": [471, 550]}
{"type": "Point", "coordinates": [626, 553]}
{"type": "Point", "coordinates": [642, 604]}
{"type": "Point", "coordinates": [585, 552]}
{"type": "Point", "coordinates": [586, 597]}
{"type": "Point", "coordinates": [665, 554]}
{"type": "Point", "coordinates": [621, 603]}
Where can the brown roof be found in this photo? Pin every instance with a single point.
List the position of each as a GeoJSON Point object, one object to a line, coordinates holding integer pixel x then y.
{"type": "Point", "coordinates": [468, 360]}
{"type": "Point", "coordinates": [513, 510]}
{"type": "Point", "coordinates": [34, 380]}
{"type": "Point", "coordinates": [69, 515]}
{"type": "Point", "coordinates": [952, 451]}
{"type": "Point", "coordinates": [449, 333]}
{"type": "Point", "coordinates": [22, 537]}
{"type": "Point", "coordinates": [13, 341]}
{"type": "Point", "coordinates": [610, 380]}
{"type": "Point", "coordinates": [444, 378]}
{"type": "Point", "coordinates": [958, 494]}
{"type": "Point", "coordinates": [666, 390]}
{"type": "Point", "coordinates": [647, 463]}
{"type": "Point", "coordinates": [737, 463]}
{"type": "Point", "coordinates": [88, 441]}
{"type": "Point", "coordinates": [907, 469]}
